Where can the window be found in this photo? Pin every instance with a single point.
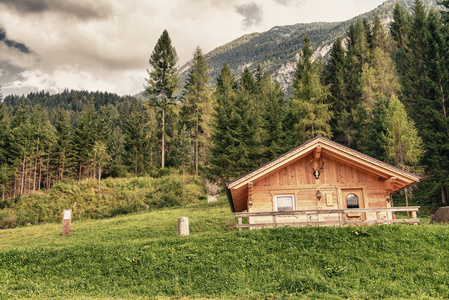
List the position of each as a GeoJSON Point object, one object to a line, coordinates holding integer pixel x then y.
{"type": "Point", "coordinates": [284, 202]}
{"type": "Point", "coordinates": [352, 201]}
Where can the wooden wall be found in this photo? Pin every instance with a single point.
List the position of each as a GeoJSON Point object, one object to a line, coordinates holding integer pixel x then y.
{"type": "Point", "coordinates": [297, 178]}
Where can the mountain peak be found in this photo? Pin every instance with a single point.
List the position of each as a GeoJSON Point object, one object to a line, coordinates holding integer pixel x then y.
{"type": "Point", "coordinates": [276, 50]}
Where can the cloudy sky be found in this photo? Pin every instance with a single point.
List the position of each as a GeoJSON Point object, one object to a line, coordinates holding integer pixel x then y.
{"type": "Point", "coordinates": [104, 45]}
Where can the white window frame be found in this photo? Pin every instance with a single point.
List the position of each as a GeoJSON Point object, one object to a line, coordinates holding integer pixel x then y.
{"type": "Point", "coordinates": [284, 195]}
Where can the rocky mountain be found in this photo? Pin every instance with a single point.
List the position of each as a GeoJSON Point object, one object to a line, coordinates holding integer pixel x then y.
{"type": "Point", "coordinates": [276, 50]}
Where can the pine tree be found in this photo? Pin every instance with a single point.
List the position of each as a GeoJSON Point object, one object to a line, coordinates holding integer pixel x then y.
{"type": "Point", "coordinates": [44, 139]}
{"type": "Point", "coordinates": [247, 82]}
{"type": "Point", "coordinates": [4, 133]}
{"type": "Point", "coordinates": [435, 61]}
{"type": "Point", "coordinates": [358, 55]}
{"type": "Point", "coordinates": [273, 116]}
{"type": "Point", "coordinates": [414, 87]}
{"type": "Point", "coordinates": [184, 149]}
{"type": "Point", "coordinates": [379, 34]}
{"type": "Point", "coordinates": [376, 130]}
{"type": "Point", "coordinates": [434, 125]}
{"type": "Point", "coordinates": [378, 79]}
{"type": "Point", "coordinates": [309, 98]}
{"type": "Point", "coordinates": [92, 127]}
{"type": "Point", "coordinates": [404, 147]}
{"type": "Point", "coordinates": [251, 107]}
{"type": "Point", "coordinates": [260, 102]}
{"type": "Point", "coordinates": [399, 30]}
{"type": "Point", "coordinates": [63, 148]}
{"type": "Point", "coordinates": [4, 150]}
{"type": "Point", "coordinates": [379, 82]}
{"type": "Point", "coordinates": [399, 26]}
{"type": "Point", "coordinates": [197, 106]}
{"type": "Point", "coordinates": [101, 158]}
{"type": "Point", "coordinates": [137, 145]}
{"type": "Point", "coordinates": [337, 79]}
{"type": "Point", "coordinates": [222, 160]}
{"type": "Point", "coordinates": [244, 127]}
{"type": "Point", "coordinates": [116, 149]}
{"type": "Point", "coordinates": [21, 144]}
{"type": "Point", "coordinates": [163, 81]}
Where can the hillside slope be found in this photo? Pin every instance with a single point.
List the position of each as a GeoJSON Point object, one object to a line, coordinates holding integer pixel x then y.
{"type": "Point", "coordinates": [276, 50]}
{"type": "Point", "coordinates": [139, 256]}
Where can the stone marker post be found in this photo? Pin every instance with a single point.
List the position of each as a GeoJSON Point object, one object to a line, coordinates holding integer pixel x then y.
{"type": "Point", "coordinates": [183, 226]}
{"type": "Point", "coordinates": [66, 222]}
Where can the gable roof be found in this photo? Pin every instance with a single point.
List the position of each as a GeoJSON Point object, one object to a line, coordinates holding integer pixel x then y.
{"type": "Point", "coordinates": [238, 189]}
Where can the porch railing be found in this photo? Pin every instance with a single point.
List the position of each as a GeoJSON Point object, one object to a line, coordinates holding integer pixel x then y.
{"type": "Point", "coordinates": [341, 214]}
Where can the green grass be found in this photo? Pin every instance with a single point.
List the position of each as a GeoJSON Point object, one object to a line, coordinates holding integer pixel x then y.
{"type": "Point", "coordinates": [139, 256]}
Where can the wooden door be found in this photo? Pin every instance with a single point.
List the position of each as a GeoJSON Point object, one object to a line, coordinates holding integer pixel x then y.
{"type": "Point", "coordinates": [353, 198]}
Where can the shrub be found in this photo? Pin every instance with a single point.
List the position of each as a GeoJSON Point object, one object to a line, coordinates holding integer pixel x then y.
{"type": "Point", "coordinates": [168, 192]}
{"type": "Point", "coordinates": [117, 196]}
{"type": "Point", "coordinates": [7, 220]}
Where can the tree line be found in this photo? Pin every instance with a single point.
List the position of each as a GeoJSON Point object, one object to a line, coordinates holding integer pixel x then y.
{"type": "Point", "coordinates": [382, 91]}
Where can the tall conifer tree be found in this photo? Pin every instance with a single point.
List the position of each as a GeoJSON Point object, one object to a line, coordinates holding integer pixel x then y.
{"type": "Point", "coordinates": [63, 147]}
{"type": "Point", "coordinates": [414, 87]}
{"type": "Point", "coordinates": [337, 79]}
{"type": "Point", "coordinates": [137, 145]}
{"type": "Point", "coordinates": [21, 147]}
{"type": "Point", "coordinates": [163, 81]}
{"type": "Point", "coordinates": [404, 147]}
{"type": "Point", "coordinates": [44, 138]}
{"type": "Point", "coordinates": [92, 127]}
{"type": "Point", "coordinates": [245, 125]}
{"type": "Point", "coordinates": [379, 82]}
{"type": "Point", "coordinates": [222, 161]}
{"type": "Point", "coordinates": [197, 106]}
{"type": "Point", "coordinates": [434, 127]}
{"type": "Point", "coordinates": [4, 150]}
{"type": "Point", "coordinates": [309, 97]}
{"type": "Point", "coordinates": [273, 115]}
{"type": "Point", "coordinates": [399, 30]}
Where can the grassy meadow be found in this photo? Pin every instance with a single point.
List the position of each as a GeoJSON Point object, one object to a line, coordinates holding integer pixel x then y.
{"type": "Point", "coordinates": [140, 256]}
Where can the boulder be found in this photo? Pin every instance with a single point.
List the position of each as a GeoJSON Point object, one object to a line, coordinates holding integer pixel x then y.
{"type": "Point", "coordinates": [441, 216]}
{"type": "Point", "coordinates": [213, 191]}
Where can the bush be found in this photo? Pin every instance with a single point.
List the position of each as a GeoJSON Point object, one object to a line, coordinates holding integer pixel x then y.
{"type": "Point", "coordinates": [116, 197]}
{"type": "Point", "coordinates": [168, 192]}
{"type": "Point", "coordinates": [7, 220]}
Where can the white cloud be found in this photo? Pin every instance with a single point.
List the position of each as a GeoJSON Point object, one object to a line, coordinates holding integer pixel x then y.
{"type": "Point", "coordinates": [110, 50]}
{"type": "Point", "coordinates": [65, 78]}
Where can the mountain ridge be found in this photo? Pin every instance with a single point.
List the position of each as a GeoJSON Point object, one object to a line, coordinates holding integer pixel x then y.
{"type": "Point", "coordinates": [277, 49]}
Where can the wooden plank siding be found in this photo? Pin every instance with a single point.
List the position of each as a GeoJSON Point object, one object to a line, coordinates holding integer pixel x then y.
{"type": "Point", "coordinates": [345, 172]}
{"type": "Point", "coordinates": [300, 173]}
{"type": "Point", "coordinates": [297, 179]}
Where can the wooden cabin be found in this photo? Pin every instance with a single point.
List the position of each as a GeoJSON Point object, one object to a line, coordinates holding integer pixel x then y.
{"type": "Point", "coordinates": [320, 183]}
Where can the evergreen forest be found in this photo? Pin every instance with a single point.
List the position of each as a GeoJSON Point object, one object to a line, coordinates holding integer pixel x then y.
{"type": "Point", "coordinates": [382, 91]}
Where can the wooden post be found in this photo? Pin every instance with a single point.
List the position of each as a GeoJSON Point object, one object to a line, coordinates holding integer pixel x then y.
{"type": "Point", "coordinates": [183, 226]}
{"type": "Point", "coordinates": [240, 223]}
{"type": "Point", "coordinates": [66, 222]}
{"type": "Point", "coordinates": [414, 217]}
